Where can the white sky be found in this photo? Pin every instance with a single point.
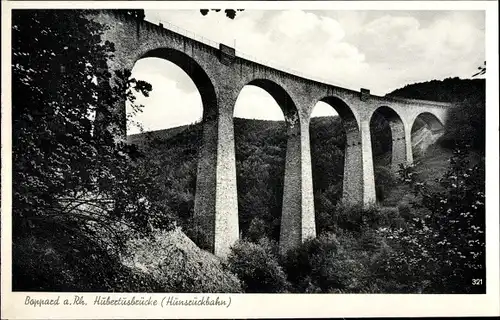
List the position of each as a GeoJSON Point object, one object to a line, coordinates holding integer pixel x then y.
{"type": "Point", "coordinates": [378, 50]}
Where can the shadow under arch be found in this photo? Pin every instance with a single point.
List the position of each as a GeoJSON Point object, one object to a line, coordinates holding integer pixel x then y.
{"type": "Point", "coordinates": [428, 120]}
{"type": "Point", "coordinates": [200, 226]}
{"type": "Point", "coordinates": [268, 164]}
{"type": "Point", "coordinates": [195, 72]}
{"type": "Point", "coordinates": [390, 114]}
{"type": "Point", "coordinates": [344, 111]}
{"type": "Point", "coordinates": [341, 166]}
{"type": "Point", "coordinates": [388, 135]}
{"type": "Point", "coordinates": [426, 129]}
{"type": "Point", "coordinates": [389, 150]}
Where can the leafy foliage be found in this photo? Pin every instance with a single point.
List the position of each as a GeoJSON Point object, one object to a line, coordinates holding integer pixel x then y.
{"type": "Point", "coordinates": [327, 264]}
{"type": "Point", "coordinates": [230, 13]}
{"type": "Point", "coordinates": [70, 173]}
{"type": "Point", "coordinates": [260, 168]}
{"type": "Point", "coordinates": [53, 258]}
{"type": "Point", "coordinates": [385, 182]}
{"type": "Point", "coordinates": [450, 236]}
{"type": "Point", "coordinates": [256, 265]}
{"type": "Point", "coordinates": [327, 136]}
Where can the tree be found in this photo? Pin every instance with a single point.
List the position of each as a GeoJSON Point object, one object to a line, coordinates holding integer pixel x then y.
{"type": "Point", "coordinates": [230, 13]}
{"type": "Point", "coordinates": [445, 245]}
{"type": "Point", "coordinates": [257, 266]}
{"type": "Point", "coordinates": [66, 175]}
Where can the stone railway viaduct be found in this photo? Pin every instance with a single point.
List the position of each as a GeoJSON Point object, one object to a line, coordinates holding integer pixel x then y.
{"type": "Point", "coordinates": [220, 75]}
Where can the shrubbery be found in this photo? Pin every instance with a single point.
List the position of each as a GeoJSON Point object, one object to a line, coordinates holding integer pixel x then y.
{"type": "Point", "coordinates": [71, 176]}
{"type": "Point", "coordinates": [256, 265]}
{"type": "Point", "coordinates": [385, 182]}
{"type": "Point", "coordinates": [257, 230]}
{"type": "Point", "coordinates": [448, 238]}
{"type": "Point", "coordinates": [329, 263]}
{"type": "Point", "coordinates": [53, 258]}
{"type": "Point", "coordinates": [311, 266]}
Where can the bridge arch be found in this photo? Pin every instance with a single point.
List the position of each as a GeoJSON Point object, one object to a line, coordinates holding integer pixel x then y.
{"type": "Point", "coordinates": [426, 129]}
{"type": "Point", "coordinates": [344, 111]}
{"type": "Point", "coordinates": [428, 119]}
{"type": "Point", "coordinates": [260, 166]}
{"type": "Point", "coordinates": [398, 143]}
{"type": "Point", "coordinates": [194, 70]}
{"type": "Point", "coordinates": [352, 176]}
{"type": "Point", "coordinates": [282, 98]}
{"type": "Point", "coordinates": [296, 223]}
{"type": "Point", "coordinates": [202, 219]}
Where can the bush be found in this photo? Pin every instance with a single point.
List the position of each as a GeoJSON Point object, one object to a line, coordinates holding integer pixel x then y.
{"type": "Point", "coordinates": [442, 248]}
{"type": "Point", "coordinates": [258, 230]}
{"type": "Point", "coordinates": [257, 267]}
{"type": "Point", "coordinates": [325, 202]}
{"type": "Point", "coordinates": [324, 265]}
{"type": "Point", "coordinates": [407, 262]}
{"type": "Point", "coordinates": [405, 211]}
{"type": "Point", "coordinates": [356, 218]}
{"type": "Point", "coordinates": [52, 258]}
{"type": "Point", "coordinates": [385, 181]}
{"type": "Point", "coordinates": [390, 272]}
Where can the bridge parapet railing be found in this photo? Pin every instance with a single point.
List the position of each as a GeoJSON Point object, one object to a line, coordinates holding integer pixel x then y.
{"type": "Point", "coordinates": [268, 63]}
{"type": "Point", "coordinates": [190, 34]}
{"type": "Point", "coordinates": [282, 68]}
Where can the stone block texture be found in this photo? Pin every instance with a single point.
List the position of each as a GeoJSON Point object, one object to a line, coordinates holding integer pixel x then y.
{"type": "Point", "coordinates": [220, 75]}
